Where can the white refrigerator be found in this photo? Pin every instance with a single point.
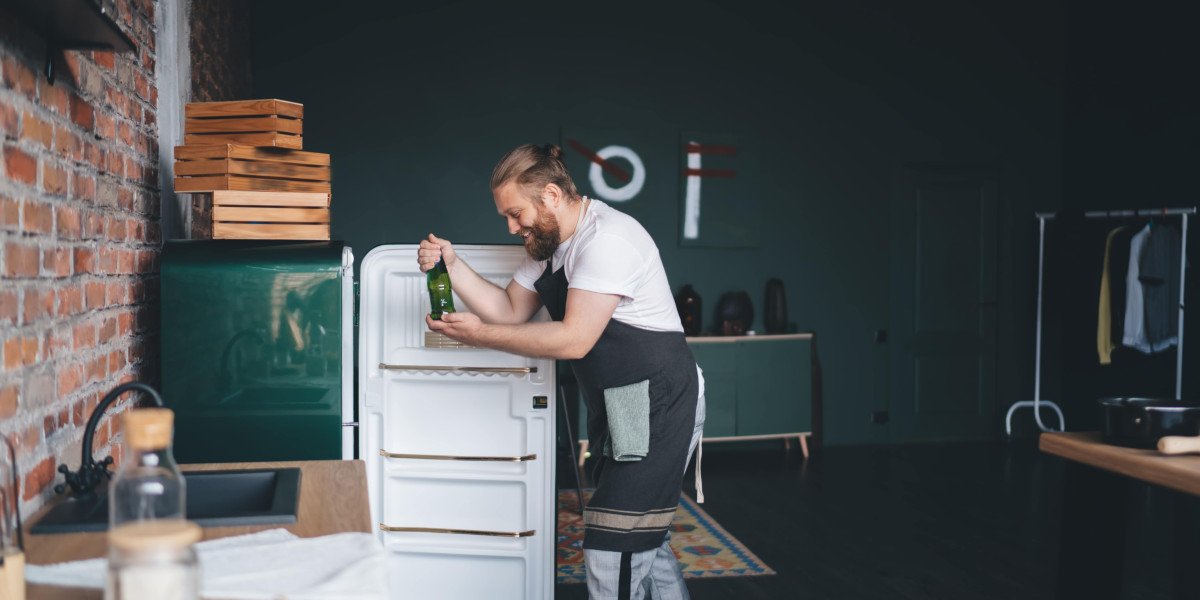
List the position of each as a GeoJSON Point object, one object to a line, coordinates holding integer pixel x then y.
{"type": "Point", "coordinates": [459, 442]}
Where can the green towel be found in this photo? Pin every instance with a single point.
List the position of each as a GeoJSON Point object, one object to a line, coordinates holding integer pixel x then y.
{"type": "Point", "coordinates": [628, 409]}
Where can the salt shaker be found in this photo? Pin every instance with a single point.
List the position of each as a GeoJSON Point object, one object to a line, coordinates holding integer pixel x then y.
{"type": "Point", "coordinates": [153, 559]}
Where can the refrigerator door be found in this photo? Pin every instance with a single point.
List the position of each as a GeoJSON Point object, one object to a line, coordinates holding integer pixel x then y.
{"type": "Point", "coordinates": [459, 442]}
{"type": "Point", "coordinates": [252, 351]}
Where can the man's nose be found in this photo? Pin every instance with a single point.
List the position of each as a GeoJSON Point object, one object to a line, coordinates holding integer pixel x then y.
{"type": "Point", "coordinates": [513, 226]}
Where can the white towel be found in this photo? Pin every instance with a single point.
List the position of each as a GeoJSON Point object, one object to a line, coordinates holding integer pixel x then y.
{"type": "Point", "coordinates": [271, 565]}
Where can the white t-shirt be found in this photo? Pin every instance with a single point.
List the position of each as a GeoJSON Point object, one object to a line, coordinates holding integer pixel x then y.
{"type": "Point", "coordinates": [611, 253]}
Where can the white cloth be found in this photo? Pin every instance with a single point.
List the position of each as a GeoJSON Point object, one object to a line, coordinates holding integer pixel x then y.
{"type": "Point", "coordinates": [266, 565]}
{"type": "Point", "coordinates": [1134, 335]}
{"type": "Point", "coordinates": [611, 253]}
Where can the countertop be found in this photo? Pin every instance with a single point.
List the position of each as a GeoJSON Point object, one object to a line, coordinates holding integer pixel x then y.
{"type": "Point", "coordinates": [333, 499]}
{"type": "Point", "coordinates": [1180, 473]}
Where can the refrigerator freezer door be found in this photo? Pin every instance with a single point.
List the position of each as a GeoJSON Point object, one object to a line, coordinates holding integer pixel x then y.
{"type": "Point", "coordinates": [459, 442]}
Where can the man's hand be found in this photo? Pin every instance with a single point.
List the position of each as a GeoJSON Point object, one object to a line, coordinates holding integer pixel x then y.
{"type": "Point", "coordinates": [434, 248]}
{"type": "Point", "coordinates": [463, 327]}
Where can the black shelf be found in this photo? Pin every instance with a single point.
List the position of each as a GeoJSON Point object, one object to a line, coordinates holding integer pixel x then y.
{"type": "Point", "coordinates": [73, 25]}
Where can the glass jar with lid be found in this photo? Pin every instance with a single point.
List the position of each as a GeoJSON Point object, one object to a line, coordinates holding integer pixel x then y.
{"type": "Point", "coordinates": [153, 559]}
{"type": "Point", "coordinates": [148, 484]}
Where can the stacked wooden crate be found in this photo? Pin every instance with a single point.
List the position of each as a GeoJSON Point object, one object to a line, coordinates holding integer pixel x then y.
{"type": "Point", "coordinates": [245, 157]}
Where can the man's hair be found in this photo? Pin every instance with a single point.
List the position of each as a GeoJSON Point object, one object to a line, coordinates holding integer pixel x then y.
{"type": "Point", "coordinates": [533, 168]}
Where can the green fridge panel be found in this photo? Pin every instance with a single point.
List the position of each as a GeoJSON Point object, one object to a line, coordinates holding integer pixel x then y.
{"type": "Point", "coordinates": [257, 349]}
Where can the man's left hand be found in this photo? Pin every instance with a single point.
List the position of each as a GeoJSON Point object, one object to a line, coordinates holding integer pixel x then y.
{"type": "Point", "coordinates": [463, 327]}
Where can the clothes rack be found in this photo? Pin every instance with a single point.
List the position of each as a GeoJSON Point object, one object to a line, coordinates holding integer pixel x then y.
{"type": "Point", "coordinates": [1037, 402]}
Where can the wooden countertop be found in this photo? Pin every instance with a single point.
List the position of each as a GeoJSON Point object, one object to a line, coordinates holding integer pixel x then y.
{"type": "Point", "coordinates": [1181, 473]}
{"type": "Point", "coordinates": [333, 499]}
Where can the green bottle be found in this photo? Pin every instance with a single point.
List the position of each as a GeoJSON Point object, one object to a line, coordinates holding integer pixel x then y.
{"type": "Point", "coordinates": [441, 298]}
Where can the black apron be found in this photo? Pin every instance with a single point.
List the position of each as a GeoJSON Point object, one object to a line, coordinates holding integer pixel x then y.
{"type": "Point", "coordinates": [634, 501]}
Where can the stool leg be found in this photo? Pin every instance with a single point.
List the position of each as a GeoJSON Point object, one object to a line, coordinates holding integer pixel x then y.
{"type": "Point", "coordinates": [804, 444]}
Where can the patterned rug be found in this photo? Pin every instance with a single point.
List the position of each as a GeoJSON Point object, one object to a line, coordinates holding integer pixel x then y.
{"type": "Point", "coordinates": [703, 548]}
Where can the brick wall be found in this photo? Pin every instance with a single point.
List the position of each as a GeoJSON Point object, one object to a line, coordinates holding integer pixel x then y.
{"type": "Point", "coordinates": [219, 46]}
{"type": "Point", "coordinates": [79, 239]}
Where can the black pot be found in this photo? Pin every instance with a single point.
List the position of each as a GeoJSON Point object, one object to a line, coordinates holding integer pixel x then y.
{"type": "Point", "coordinates": [1139, 422]}
{"type": "Point", "coordinates": [735, 313]}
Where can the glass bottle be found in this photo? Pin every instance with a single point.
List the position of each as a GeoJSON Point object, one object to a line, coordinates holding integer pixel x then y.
{"type": "Point", "coordinates": [148, 485]}
{"type": "Point", "coordinates": [441, 296]}
{"type": "Point", "coordinates": [153, 559]}
{"type": "Point", "coordinates": [12, 556]}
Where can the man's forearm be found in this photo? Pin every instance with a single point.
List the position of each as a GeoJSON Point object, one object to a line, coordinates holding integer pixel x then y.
{"type": "Point", "coordinates": [483, 297]}
{"type": "Point", "coordinates": [551, 339]}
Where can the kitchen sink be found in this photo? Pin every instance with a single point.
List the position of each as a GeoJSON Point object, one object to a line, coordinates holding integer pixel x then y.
{"type": "Point", "coordinates": [214, 499]}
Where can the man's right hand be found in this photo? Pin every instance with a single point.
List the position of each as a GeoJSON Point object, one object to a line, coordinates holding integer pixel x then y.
{"type": "Point", "coordinates": [432, 249]}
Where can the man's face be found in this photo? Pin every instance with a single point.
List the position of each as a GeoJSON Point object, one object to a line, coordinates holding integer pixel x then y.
{"type": "Point", "coordinates": [530, 219]}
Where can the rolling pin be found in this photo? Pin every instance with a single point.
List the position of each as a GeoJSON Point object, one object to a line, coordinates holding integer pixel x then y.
{"type": "Point", "coordinates": [1179, 444]}
{"type": "Point", "coordinates": [12, 576]}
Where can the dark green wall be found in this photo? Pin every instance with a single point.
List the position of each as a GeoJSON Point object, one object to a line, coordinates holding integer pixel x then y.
{"type": "Point", "coordinates": [417, 104]}
{"type": "Point", "coordinates": [1131, 141]}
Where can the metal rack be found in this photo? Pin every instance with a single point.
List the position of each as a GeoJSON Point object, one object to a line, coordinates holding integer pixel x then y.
{"type": "Point", "coordinates": [1037, 402]}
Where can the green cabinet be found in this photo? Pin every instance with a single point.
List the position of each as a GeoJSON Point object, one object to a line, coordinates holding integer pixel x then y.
{"type": "Point", "coordinates": [757, 386]}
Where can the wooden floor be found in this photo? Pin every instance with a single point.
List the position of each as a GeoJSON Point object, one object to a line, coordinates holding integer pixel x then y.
{"type": "Point", "coordinates": [944, 521]}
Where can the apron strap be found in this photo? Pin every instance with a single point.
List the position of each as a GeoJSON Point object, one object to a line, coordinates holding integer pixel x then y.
{"type": "Point", "coordinates": [625, 578]}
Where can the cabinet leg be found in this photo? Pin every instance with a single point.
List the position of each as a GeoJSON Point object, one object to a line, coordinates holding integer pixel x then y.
{"type": "Point", "coordinates": [804, 444]}
{"type": "Point", "coordinates": [583, 448]}
{"type": "Point", "coordinates": [1092, 542]}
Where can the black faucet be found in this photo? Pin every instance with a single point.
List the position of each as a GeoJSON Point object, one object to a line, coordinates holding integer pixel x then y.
{"type": "Point", "coordinates": [91, 473]}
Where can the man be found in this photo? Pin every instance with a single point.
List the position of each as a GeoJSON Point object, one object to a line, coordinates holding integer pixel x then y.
{"type": "Point", "coordinates": [599, 275]}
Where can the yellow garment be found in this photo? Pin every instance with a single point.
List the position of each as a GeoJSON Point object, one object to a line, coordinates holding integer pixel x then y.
{"type": "Point", "coordinates": [1104, 343]}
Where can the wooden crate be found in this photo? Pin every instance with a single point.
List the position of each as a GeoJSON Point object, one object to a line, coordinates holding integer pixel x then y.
{"type": "Point", "coordinates": [270, 215]}
{"type": "Point", "coordinates": [248, 168]}
{"type": "Point", "coordinates": [276, 123]}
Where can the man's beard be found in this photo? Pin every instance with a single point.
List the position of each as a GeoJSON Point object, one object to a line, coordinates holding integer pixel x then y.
{"type": "Point", "coordinates": [543, 238]}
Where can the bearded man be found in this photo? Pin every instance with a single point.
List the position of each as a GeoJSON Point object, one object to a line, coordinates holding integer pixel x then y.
{"type": "Point", "coordinates": [599, 275]}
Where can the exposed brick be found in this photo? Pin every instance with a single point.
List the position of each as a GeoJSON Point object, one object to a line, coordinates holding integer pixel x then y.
{"type": "Point", "coordinates": [56, 342]}
{"type": "Point", "coordinates": [56, 262]}
{"type": "Point", "coordinates": [114, 295]}
{"type": "Point", "coordinates": [84, 335]}
{"type": "Point", "coordinates": [9, 398]}
{"type": "Point", "coordinates": [9, 304]}
{"type": "Point", "coordinates": [95, 295]}
{"type": "Point", "coordinates": [20, 260]}
{"type": "Point", "coordinates": [125, 262]}
{"type": "Point", "coordinates": [70, 378]}
{"type": "Point", "coordinates": [116, 361]}
{"type": "Point", "coordinates": [84, 258]}
{"type": "Point", "coordinates": [39, 217]}
{"type": "Point", "coordinates": [10, 214]}
{"type": "Point", "coordinates": [54, 179]}
{"type": "Point", "coordinates": [39, 478]}
{"type": "Point", "coordinates": [9, 123]}
{"type": "Point", "coordinates": [124, 323]}
{"type": "Point", "coordinates": [82, 113]}
{"type": "Point", "coordinates": [97, 368]}
{"type": "Point", "coordinates": [114, 228]}
{"type": "Point", "coordinates": [107, 260]}
{"type": "Point", "coordinates": [104, 59]}
{"type": "Point", "coordinates": [125, 195]}
{"type": "Point", "coordinates": [84, 187]}
{"type": "Point", "coordinates": [106, 192]}
{"type": "Point", "coordinates": [19, 77]}
{"type": "Point", "coordinates": [105, 126]}
{"type": "Point", "coordinates": [39, 304]}
{"type": "Point", "coordinates": [34, 128]}
{"type": "Point", "coordinates": [54, 97]}
{"type": "Point", "coordinates": [93, 225]}
{"type": "Point", "coordinates": [66, 143]}
{"type": "Point", "coordinates": [66, 222]}
{"type": "Point", "coordinates": [146, 261]}
{"type": "Point", "coordinates": [20, 166]}
{"type": "Point", "coordinates": [20, 351]}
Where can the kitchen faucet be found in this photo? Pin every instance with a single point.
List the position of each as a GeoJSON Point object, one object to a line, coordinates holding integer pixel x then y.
{"type": "Point", "coordinates": [92, 473]}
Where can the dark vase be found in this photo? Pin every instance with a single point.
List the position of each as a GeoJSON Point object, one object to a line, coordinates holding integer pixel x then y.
{"type": "Point", "coordinates": [775, 318]}
{"type": "Point", "coordinates": [687, 302]}
{"type": "Point", "coordinates": [735, 313]}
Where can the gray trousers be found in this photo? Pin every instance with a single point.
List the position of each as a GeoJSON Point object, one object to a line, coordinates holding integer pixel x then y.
{"type": "Point", "coordinates": [655, 573]}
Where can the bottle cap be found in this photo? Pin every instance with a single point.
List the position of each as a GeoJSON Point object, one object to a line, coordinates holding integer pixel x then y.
{"type": "Point", "coordinates": [154, 534]}
{"type": "Point", "coordinates": [148, 428]}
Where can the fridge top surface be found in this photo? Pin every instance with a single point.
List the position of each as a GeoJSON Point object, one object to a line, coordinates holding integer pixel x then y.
{"type": "Point", "coordinates": [280, 254]}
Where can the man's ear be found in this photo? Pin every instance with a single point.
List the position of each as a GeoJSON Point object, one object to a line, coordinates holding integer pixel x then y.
{"type": "Point", "coordinates": [552, 195]}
